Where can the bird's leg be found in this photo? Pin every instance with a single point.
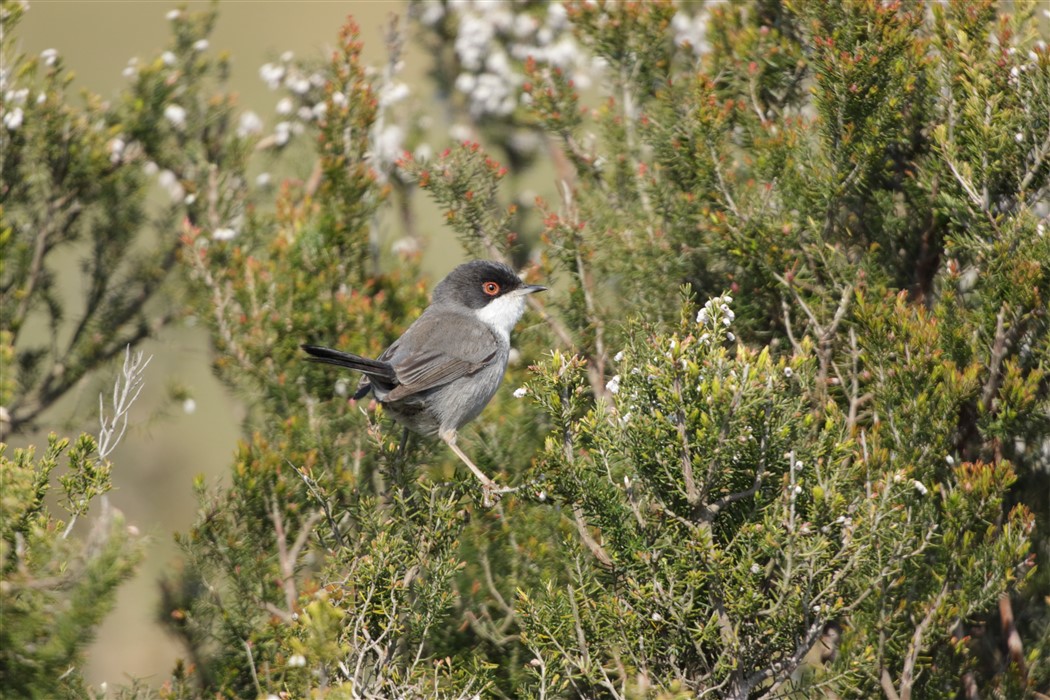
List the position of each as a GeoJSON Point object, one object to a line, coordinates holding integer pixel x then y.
{"type": "Point", "coordinates": [399, 469]}
{"type": "Point", "coordinates": [489, 487]}
{"type": "Point", "coordinates": [402, 447]}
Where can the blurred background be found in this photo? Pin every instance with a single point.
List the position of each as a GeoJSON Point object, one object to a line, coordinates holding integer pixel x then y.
{"type": "Point", "coordinates": [169, 442]}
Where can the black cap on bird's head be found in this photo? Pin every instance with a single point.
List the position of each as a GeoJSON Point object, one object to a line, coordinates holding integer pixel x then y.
{"type": "Point", "coordinates": [477, 283]}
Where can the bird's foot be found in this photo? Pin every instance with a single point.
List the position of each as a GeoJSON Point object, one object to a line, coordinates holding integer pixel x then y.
{"type": "Point", "coordinates": [491, 492]}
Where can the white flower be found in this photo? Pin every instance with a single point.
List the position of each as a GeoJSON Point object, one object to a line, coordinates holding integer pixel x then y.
{"type": "Point", "coordinates": [389, 144]}
{"type": "Point", "coordinates": [319, 110]}
{"type": "Point", "coordinates": [691, 30]}
{"type": "Point", "coordinates": [407, 247]}
{"type": "Point", "coordinates": [299, 85]}
{"type": "Point", "coordinates": [285, 106]}
{"type": "Point", "coordinates": [116, 149]}
{"type": "Point", "coordinates": [950, 460]}
{"type": "Point", "coordinates": [730, 337]}
{"type": "Point", "coordinates": [657, 617]}
{"type": "Point", "coordinates": [224, 233]}
{"type": "Point", "coordinates": [613, 386]}
{"type": "Point", "coordinates": [169, 181]}
{"type": "Point", "coordinates": [282, 132]}
{"type": "Point", "coordinates": [168, 58]}
{"type": "Point", "coordinates": [520, 392]}
{"type": "Point", "coordinates": [393, 93]}
{"type": "Point", "coordinates": [189, 406]}
{"type": "Point", "coordinates": [339, 99]}
{"type": "Point", "coordinates": [1019, 137]}
{"type": "Point", "coordinates": [49, 56]}
{"type": "Point", "coordinates": [473, 40]}
{"type": "Point", "coordinates": [756, 569]}
{"type": "Point", "coordinates": [423, 152]}
{"type": "Point", "coordinates": [920, 487]}
{"type": "Point", "coordinates": [17, 97]}
{"type": "Point", "coordinates": [797, 490]}
{"type": "Point", "coordinates": [263, 180]}
{"type": "Point", "coordinates": [432, 13]}
{"type": "Point", "coordinates": [176, 115]}
{"type": "Point", "coordinates": [172, 15]}
{"type": "Point", "coordinates": [618, 356]}
{"type": "Point", "coordinates": [272, 74]}
{"type": "Point", "coordinates": [701, 316]}
{"type": "Point", "coordinates": [13, 119]}
{"type": "Point", "coordinates": [200, 45]}
{"type": "Point", "coordinates": [542, 496]}
{"type": "Point", "coordinates": [287, 56]}
{"type": "Point", "coordinates": [465, 82]}
{"type": "Point", "coordinates": [249, 124]}
{"type": "Point", "coordinates": [296, 660]}
{"type": "Point", "coordinates": [788, 372]}
{"type": "Point", "coordinates": [460, 133]}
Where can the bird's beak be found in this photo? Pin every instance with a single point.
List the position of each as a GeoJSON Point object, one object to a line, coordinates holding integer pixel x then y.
{"type": "Point", "coordinates": [531, 289]}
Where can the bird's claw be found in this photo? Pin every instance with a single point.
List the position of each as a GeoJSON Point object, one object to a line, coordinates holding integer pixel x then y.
{"type": "Point", "coordinates": [491, 493]}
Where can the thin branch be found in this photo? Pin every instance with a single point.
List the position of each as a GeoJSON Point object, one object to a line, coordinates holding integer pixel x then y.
{"type": "Point", "coordinates": [991, 386]}
{"type": "Point", "coordinates": [916, 646]}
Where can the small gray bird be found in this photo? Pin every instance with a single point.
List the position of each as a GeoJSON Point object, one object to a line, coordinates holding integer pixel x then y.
{"type": "Point", "coordinates": [441, 373]}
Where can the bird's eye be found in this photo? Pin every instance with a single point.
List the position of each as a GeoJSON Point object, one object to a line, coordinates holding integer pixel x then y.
{"type": "Point", "coordinates": [490, 288]}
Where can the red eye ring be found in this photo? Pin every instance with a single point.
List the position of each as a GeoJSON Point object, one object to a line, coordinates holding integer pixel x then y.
{"type": "Point", "coordinates": [490, 288]}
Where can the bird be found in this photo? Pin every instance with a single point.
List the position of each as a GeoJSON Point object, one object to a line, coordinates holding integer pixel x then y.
{"type": "Point", "coordinates": [446, 367]}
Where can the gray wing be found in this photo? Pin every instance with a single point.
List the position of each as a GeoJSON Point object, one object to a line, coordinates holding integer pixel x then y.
{"type": "Point", "coordinates": [437, 349]}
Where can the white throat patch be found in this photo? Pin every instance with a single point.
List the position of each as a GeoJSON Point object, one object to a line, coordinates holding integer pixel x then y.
{"type": "Point", "coordinates": [502, 314]}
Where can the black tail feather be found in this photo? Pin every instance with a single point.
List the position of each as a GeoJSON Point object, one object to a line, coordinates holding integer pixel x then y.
{"type": "Point", "coordinates": [373, 368]}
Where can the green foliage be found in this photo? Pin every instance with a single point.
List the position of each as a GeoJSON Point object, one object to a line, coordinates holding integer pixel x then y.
{"type": "Point", "coordinates": [738, 519]}
{"type": "Point", "coordinates": [56, 589]}
{"type": "Point", "coordinates": [818, 471]}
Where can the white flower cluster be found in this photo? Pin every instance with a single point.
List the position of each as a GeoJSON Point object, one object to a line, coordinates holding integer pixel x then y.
{"type": "Point", "coordinates": [307, 89]}
{"type": "Point", "coordinates": [1032, 63]}
{"type": "Point", "coordinates": [491, 37]}
{"type": "Point", "coordinates": [717, 311]}
{"type": "Point", "coordinates": [388, 136]}
{"type": "Point", "coordinates": [690, 29]}
{"type": "Point", "coordinates": [13, 114]}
